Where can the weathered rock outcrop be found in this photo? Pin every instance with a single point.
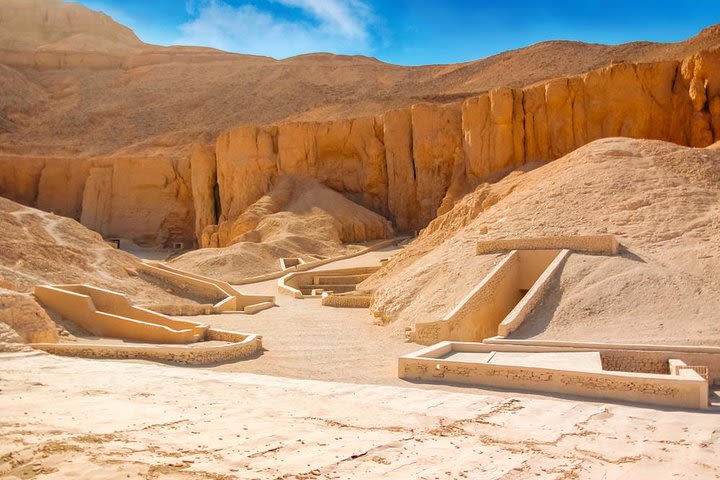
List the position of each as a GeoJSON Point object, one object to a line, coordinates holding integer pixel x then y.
{"type": "Point", "coordinates": [298, 199]}
{"type": "Point", "coordinates": [298, 217]}
{"type": "Point", "coordinates": [408, 164]}
{"type": "Point", "coordinates": [204, 180]}
{"type": "Point", "coordinates": [146, 199]}
{"type": "Point", "coordinates": [411, 164]}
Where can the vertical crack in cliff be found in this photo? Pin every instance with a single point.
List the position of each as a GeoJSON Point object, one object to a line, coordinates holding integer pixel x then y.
{"type": "Point", "coordinates": [706, 105]}
{"type": "Point", "coordinates": [36, 190]}
{"type": "Point", "coordinates": [412, 151]}
{"type": "Point", "coordinates": [675, 78]}
{"type": "Point", "coordinates": [217, 204]}
{"type": "Point", "coordinates": [644, 88]}
{"type": "Point", "coordinates": [572, 88]}
{"type": "Point", "coordinates": [525, 127]}
{"type": "Point", "coordinates": [274, 136]}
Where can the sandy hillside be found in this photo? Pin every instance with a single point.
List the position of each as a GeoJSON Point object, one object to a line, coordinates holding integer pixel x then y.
{"type": "Point", "coordinates": [661, 200]}
{"type": "Point", "coordinates": [298, 217]}
{"type": "Point", "coordinates": [165, 97]}
{"type": "Point", "coordinates": [42, 248]}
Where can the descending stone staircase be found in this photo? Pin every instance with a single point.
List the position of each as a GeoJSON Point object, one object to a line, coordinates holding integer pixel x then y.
{"type": "Point", "coordinates": [325, 283]}
{"type": "Point", "coordinates": [319, 282]}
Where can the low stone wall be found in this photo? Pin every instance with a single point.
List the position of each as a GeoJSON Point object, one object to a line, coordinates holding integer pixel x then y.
{"type": "Point", "coordinates": [290, 262]}
{"type": "Point", "coordinates": [479, 313]}
{"type": "Point", "coordinates": [631, 357]}
{"type": "Point", "coordinates": [241, 347]}
{"type": "Point", "coordinates": [532, 298]}
{"type": "Point", "coordinates": [109, 314]}
{"type": "Point", "coordinates": [347, 301]}
{"type": "Point", "coordinates": [496, 304]}
{"type": "Point", "coordinates": [676, 391]}
{"type": "Point", "coordinates": [195, 287]}
{"type": "Point", "coordinates": [605, 244]}
{"type": "Point", "coordinates": [290, 283]}
{"type": "Point", "coordinates": [319, 263]}
{"type": "Point", "coordinates": [226, 297]}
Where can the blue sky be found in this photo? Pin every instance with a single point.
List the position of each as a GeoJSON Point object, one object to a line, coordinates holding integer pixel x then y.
{"type": "Point", "coordinates": [407, 32]}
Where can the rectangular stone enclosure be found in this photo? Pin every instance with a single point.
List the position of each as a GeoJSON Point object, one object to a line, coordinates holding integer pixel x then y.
{"type": "Point", "coordinates": [553, 370]}
{"type": "Point", "coordinates": [500, 302]}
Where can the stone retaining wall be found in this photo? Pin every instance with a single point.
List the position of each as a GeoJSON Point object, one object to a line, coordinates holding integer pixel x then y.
{"type": "Point", "coordinates": [688, 391]}
{"type": "Point", "coordinates": [240, 347]}
{"type": "Point", "coordinates": [347, 301]}
{"type": "Point", "coordinates": [605, 244]}
{"type": "Point", "coordinates": [631, 357]}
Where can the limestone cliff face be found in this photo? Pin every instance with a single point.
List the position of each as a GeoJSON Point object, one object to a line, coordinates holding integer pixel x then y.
{"type": "Point", "coordinates": [413, 164]}
{"type": "Point", "coordinates": [203, 168]}
{"type": "Point", "coordinates": [145, 199]}
{"type": "Point", "coordinates": [408, 165]}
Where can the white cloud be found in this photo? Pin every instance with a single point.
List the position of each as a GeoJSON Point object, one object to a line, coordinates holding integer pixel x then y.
{"type": "Point", "coordinates": [337, 26]}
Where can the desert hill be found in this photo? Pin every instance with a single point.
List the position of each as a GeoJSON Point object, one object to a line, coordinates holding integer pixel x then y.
{"type": "Point", "coordinates": [60, 26]}
{"type": "Point", "coordinates": [39, 248]}
{"type": "Point", "coordinates": [60, 60]}
{"type": "Point", "coordinates": [662, 201]}
{"type": "Point", "coordinates": [99, 126]}
{"type": "Point", "coordinates": [298, 217]}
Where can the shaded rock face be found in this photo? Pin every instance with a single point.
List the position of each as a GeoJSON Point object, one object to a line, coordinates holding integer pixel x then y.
{"type": "Point", "coordinates": [297, 205]}
{"type": "Point", "coordinates": [145, 199]}
{"type": "Point", "coordinates": [411, 164]}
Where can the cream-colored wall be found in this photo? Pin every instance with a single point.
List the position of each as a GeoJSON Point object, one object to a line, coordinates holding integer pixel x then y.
{"type": "Point", "coordinates": [227, 298]}
{"type": "Point", "coordinates": [318, 263]}
{"type": "Point", "coordinates": [532, 298]}
{"type": "Point", "coordinates": [630, 357]}
{"type": "Point", "coordinates": [75, 303]}
{"type": "Point", "coordinates": [119, 304]}
{"type": "Point", "coordinates": [606, 244]}
{"type": "Point", "coordinates": [287, 263]}
{"type": "Point", "coordinates": [479, 313]}
{"type": "Point", "coordinates": [290, 283]}
{"type": "Point", "coordinates": [497, 299]}
{"type": "Point", "coordinates": [667, 390]}
{"type": "Point", "coordinates": [240, 347]}
{"type": "Point", "coordinates": [347, 301]}
{"type": "Point", "coordinates": [187, 283]}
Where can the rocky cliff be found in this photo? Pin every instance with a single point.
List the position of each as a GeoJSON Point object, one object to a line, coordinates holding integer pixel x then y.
{"type": "Point", "coordinates": [145, 199]}
{"type": "Point", "coordinates": [408, 164]}
{"type": "Point", "coordinates": [411, 164]}
{"type": "Point", "coordinates": [119, 162]}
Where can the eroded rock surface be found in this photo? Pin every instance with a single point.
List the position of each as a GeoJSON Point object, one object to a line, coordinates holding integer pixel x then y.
{"type": "Point", "coordinates": [413, 164]}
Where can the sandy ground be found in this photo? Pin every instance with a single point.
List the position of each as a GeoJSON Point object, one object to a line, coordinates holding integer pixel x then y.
{"type": "Point", "coordinates": [303, 339]}
{"type": "Point", "coordinates": [129, 420]}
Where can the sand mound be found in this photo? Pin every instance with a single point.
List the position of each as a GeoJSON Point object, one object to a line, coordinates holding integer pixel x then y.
{"type": "Point", "coordinates": [39, 248]}
{"type": "Point", "coordinates": [298, 217]}
{"type": "Point", "coordinates": [661, 200]}
{"type": "Point", "coordinates": [42, 248]}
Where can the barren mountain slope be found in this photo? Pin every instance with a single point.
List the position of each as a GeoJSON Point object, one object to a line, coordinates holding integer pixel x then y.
{"type": "Point", "coordinates": [663, 203]}
{"type": "Point", "coordinates": [61, 60]}
{"type": "Point", "coordinates": [38, 248]}
{"type": "Point", "coordinates": [298, 217]}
